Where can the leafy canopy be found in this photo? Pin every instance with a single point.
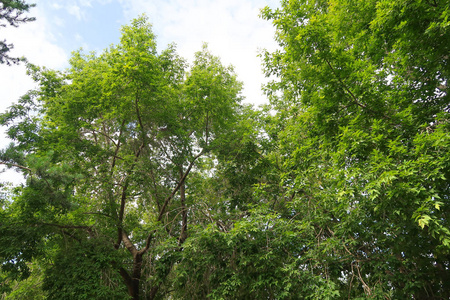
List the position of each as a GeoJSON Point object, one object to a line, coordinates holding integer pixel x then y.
{"type": "Point", "coordinates": [108, 148]}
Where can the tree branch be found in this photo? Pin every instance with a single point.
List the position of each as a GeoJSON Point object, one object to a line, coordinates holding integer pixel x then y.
{"type": "Point", "coordinates": [15, 165]}
{"type": "Point", "coordinates": [117, 147]}
{"type": "Point", "coordinates": [129, 245]}
{"type": "Point", "coordinates": [161, 213]}
{"type": "Point", "coordinates": [128, 280]}
{"type": "Point", "coordinates": [166, 202]}
{"type": "Point", "coordinates": [344, 86]}
{"type": "Point", "coordinates": [87, 228]}
{"type": "Point", "coordinates": [123, 199]}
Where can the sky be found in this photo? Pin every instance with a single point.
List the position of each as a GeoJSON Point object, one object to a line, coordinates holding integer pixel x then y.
{"type": "Point", "coordinates": [232, 28]}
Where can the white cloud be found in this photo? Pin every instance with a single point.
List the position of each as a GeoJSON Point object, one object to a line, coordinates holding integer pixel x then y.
{"type": "Point", "coordinates": [86, 3]}
{"type": "Point", "coordinates": [78, 37]}
{"type": "Point", "coordinates": [232, 29]}
{"type": "Point", "coordinates": [77, 7]}
{"type": "Point", "coordinates": [56, 5]}
{"type": "Point", "coordinates": [74, 10]}
{"type": "Point", "coordinates": [33, 41]}
{"type": "Point", "coordinates": [58, 21]}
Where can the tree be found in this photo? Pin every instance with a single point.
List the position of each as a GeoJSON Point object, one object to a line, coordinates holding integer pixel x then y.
{"type": "Point", "coordinates": [11, 13]}
{"type": "Point", "coordinates": [355, 203]}
{"type": "Point", "coordinates": [221, 259]}
{"type": "Point", "coordinates": [147, 180]}
{"type": "Point", "coordinates": [363, 144]}
{"type": "Point", "coordinates": [108, 148]}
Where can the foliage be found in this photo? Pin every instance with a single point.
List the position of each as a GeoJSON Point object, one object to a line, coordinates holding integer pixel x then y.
{"type": "Point", "coordinates": [149, 178]}
{"type": "Point", "coordinates": [364, 141]}
{"type": "Point", "coordinates": [87, 265]}
{"type": "Point", "coordinates": [29, 289]}
{"type": "Point", "coordinates": [11, 14]}
{"type": "Point", "coordinates": [107, 148]}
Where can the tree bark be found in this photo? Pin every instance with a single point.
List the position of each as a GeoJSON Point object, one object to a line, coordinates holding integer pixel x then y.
{"type": "Point", "coordinates": [133, 282]}
{"type": "Point", "coordinates": [137, 266]}
{"type": "Point", "coordinates": [183, 234]}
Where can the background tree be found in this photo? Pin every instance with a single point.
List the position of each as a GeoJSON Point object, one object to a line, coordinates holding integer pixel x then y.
{"type": "Point", "coordinates": [11, 14]}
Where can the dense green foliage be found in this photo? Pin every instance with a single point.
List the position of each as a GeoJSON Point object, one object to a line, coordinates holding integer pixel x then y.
{"type": "Point", "coordinates": [363, 142]}
{"type": "Point", "coordinates": [354, 201]}
{"type": "Point", "coordinates": [108, 148]}
{"type": "Point", "coordinates": [149, 179]}
{"type": "Point", "coordinates": [11, 14]}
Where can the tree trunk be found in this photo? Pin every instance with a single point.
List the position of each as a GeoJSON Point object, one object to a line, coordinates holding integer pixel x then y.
{"type": "Point", "coordinates": [137, 266]}
{"type": "Point", "coordinates": [132, 282]}
{"type": "Point", "coordinates": [183, 234]}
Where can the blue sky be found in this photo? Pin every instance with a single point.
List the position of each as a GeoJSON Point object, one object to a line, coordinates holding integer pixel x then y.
{"type": "Point", "coordinates": [232, 29]}
{"type": "Point", "coordinates": [93, 25]}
